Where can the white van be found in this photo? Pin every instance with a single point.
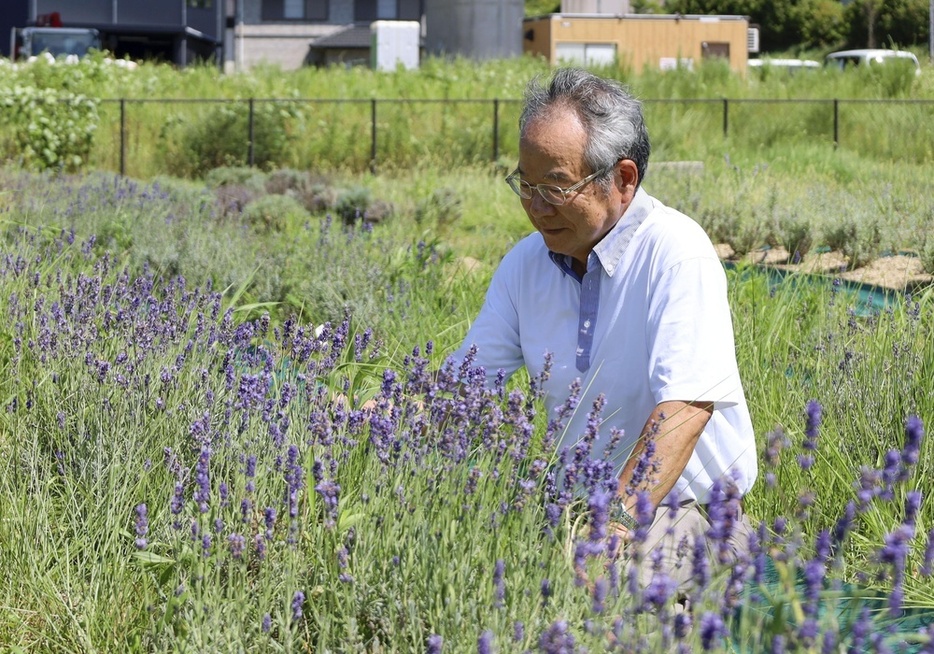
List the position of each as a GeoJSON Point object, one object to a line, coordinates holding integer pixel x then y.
{"type": "Point", "coordinates": [790, 65]}
{"type": "Point", "coordinates": [871, 57]}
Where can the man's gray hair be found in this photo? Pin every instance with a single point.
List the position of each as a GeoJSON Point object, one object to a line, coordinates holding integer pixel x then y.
{"type": "Point", "coordinates": [610, 115]}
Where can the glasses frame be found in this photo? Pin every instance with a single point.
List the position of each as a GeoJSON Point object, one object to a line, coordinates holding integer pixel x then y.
{"type": "Point", "coordinates": [518, 185]}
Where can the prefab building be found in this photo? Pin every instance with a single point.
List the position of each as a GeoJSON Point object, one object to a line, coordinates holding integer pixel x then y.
{"type": "Point", "coordinates": [640, 41]}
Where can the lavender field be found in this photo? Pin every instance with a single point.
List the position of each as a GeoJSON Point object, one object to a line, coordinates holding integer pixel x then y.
{"type": "Point", "coordinates": [186, 462]}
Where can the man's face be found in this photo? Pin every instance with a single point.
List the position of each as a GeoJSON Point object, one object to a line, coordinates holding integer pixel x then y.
{"type": "Point", "coordinates": [551, 151]}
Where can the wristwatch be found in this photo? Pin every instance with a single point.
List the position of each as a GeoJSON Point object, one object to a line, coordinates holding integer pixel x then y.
{"type": "Point", "coordinates": [618, 513]}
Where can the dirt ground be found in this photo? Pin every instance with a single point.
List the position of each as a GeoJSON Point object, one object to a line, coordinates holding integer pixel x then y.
{"type": "Point", "coordinates": [898, 272]}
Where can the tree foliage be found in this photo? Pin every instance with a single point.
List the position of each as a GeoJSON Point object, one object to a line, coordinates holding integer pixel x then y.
{"type": "Point", "coordinates": [802, 24]}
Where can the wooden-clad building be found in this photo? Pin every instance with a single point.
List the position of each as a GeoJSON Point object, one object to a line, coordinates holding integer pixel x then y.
{"type": "Point", "coordinates": [640, 41]}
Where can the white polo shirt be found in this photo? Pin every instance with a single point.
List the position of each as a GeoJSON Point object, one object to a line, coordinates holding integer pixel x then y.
{"type": "Point", "coordinates": [649, 322]}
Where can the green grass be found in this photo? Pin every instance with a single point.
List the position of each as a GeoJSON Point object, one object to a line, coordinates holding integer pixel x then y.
{"type": "Point", "coordinates": [105, 362]}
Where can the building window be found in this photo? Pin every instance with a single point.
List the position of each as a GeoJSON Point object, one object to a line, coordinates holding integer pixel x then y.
{"type": "Point", "coordinates": [711, 50]}
{"type": "Point", "coordinates": [587, 54]}
{"type": "Point", "coordinates": [294, 9]}
{"type": "Point", "coordinates": [370, 10]}
{"type": "Point", "coordinates": [200, 4]}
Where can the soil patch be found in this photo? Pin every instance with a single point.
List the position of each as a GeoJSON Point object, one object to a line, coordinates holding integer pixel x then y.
{"type": "Point", "coordinates": [899, 272]}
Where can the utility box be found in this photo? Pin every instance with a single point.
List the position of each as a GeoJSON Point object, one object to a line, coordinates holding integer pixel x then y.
{"type": "Point", "coordinates": [394, 43]}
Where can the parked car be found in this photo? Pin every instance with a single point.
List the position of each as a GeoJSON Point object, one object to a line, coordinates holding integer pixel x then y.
{"type": "Point", "coordinates": [790, 65]}
{"type": "Point", "coordinates": [872, 57]}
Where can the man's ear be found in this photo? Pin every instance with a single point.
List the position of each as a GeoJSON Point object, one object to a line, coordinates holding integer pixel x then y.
{"type": "Point", "coordinates": [627, 179]}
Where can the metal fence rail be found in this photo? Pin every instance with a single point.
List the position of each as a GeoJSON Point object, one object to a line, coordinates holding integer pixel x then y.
{"type": "Point", "coordinates": [833, 106]}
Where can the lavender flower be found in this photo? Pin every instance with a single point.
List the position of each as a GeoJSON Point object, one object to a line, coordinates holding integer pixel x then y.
{"type": "Point", "coordinates": [518, 631]}
{"type": "Point", "coordinates": [236, 542]}
{"type": "Point", "coordinates": [682, 625]}
{"type": "Point", "coordinates": [330, 492]}
{"type": "Point", "coordinates": [600, 589]}
{"type": "Point", "coordinates": [914, 434]}
{"type": "Point", "coordinates": [203, 480]}
{"type": "Point", "coordinates": [556, 639]}
{"type": "Point", "coordinates": [712, 630]}
{"type": "Point", "coordinates": [267, 623]}
{"type": "Point", "coordinates": [700, 565]}
{"type": "Point", "coordinates": [269, 519]}
{"type": "Point", "coordinates": [814, 416]}
{"type": "Point", "coordinates": [433, 645]}
{"type": "Point", "coordinates": [142, 526]}
{"type": "Point", "coordinates": [598, 504]}
{"type": "Point", "coordinates": [546, 591]}
{"type": "Point", "coordinates": [499, 586]}
{"type": "Point", "coordinates": [927, 565]}
{"type": "Point", "coordinates": [297, 601]}
{"type": "Point", "coordinates": [485, 643]}
{"type": "Point", "coordinates": [659, 590]}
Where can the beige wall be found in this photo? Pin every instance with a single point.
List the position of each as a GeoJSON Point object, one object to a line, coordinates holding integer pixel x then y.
{"type": "Point", "coordinates": [280, 45]}
{"type": "Point", "coordinates": [641, 42]}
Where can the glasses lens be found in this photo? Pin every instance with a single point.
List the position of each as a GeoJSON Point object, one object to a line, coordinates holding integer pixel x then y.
{"type": "Point", "coordinates": [521, 188]}
{"type": "Point", "coordinates": [552, 194]}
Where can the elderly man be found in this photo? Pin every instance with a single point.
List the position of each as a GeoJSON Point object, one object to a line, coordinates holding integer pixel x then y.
{"type": "Point", "coordinates": [629, 299]}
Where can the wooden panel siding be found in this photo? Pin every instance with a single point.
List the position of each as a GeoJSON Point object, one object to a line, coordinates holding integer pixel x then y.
{"type": "Point", "coordinates": [642, 41]}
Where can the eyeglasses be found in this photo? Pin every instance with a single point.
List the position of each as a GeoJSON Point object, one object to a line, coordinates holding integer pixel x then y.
{"type": "Point", "coordinates": [550, 193]}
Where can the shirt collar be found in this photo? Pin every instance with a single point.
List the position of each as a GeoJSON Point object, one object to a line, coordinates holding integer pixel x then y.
{"type": "Point", "coordinates": [610, 249]}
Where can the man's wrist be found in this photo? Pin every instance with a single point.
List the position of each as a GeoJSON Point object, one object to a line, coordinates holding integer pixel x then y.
{"type": "Point", "coordinates": [618, 513]}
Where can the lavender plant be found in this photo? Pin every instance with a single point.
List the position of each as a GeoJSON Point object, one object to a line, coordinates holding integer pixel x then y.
{"type": "Point", "coordinates": [178, 474]}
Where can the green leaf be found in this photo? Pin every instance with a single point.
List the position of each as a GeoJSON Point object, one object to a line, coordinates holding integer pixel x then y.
{"type": "Point", "coordinates": [151, 558]}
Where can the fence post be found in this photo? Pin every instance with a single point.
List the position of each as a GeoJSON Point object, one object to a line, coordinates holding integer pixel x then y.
{"type": "Point", "coordinates": [836, 122]}
{"type": "Point", "coordinates": [123, 137]}
{"type": "Point", "coordinates": [726, 117]}
{"type": "Point", "coordinates": [373, 136]}
{"type": "Point", "coordinates": [495, 129]}
{"type": "Point", "coordinates": [251, 157]}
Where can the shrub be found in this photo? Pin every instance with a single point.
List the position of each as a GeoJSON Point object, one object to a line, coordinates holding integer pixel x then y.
{"type": "Point", "coordinates": [794, 233]}
{"type": "Point", "coordinates": [287, 180]}
{"type": "Point", "coordinates": [236, 176]}
{"type": "Point", "coordinates": [320, 197]}
{"type": "Point", "coordinates": [52, 129]}
{"type": "Point", "coordinates": [352, 204]}
{"type": "Point", "coordinates": [221, 137]}
{"type": "Point", "coordinates": [857, 239]}
{"type": "Point", "coordinates": [271, 213]}
{"type": "Point", "coordinates": [440, 209]}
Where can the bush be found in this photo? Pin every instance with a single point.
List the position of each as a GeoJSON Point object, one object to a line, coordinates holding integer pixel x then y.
{"type": "Point", "coordinates": [440, 209]}
{"type": "Point", "coordinates": [352, 204]}
{"type": "Point", "coordinates": [221, 137]}
{"type": "Point", "coordinates": [287, 181]}
{"type": "Point", "coordinates": [252, 178]}
{"type": "Point", "coordinates": [271, 213]}
{"type": "Point", "coordinates": [52, 129]}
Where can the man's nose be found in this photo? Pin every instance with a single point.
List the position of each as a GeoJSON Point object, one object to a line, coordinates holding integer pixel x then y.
{"type": "Point", "coordinates": [538, 206]}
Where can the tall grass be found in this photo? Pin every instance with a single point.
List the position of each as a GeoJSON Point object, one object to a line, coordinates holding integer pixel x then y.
{"type": "Point", "coordinates": [436, 113]}
{"type": "Point", "coordinates": [183, 471]}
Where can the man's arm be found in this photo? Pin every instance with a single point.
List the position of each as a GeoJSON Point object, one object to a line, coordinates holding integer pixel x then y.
{"type": "Point", "coordinates": [675, 428]}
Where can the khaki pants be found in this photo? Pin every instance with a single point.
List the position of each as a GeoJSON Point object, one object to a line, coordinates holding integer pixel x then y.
{"type": "Point", "coordinates": [669, 546]}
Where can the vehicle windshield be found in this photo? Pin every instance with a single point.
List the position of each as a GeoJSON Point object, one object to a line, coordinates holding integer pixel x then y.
{"type": "Point", "coordinates": [58, 43]}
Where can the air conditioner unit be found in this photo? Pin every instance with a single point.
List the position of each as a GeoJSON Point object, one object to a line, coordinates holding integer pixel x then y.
{"type": "Point", "coordinates": [752, 39]}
